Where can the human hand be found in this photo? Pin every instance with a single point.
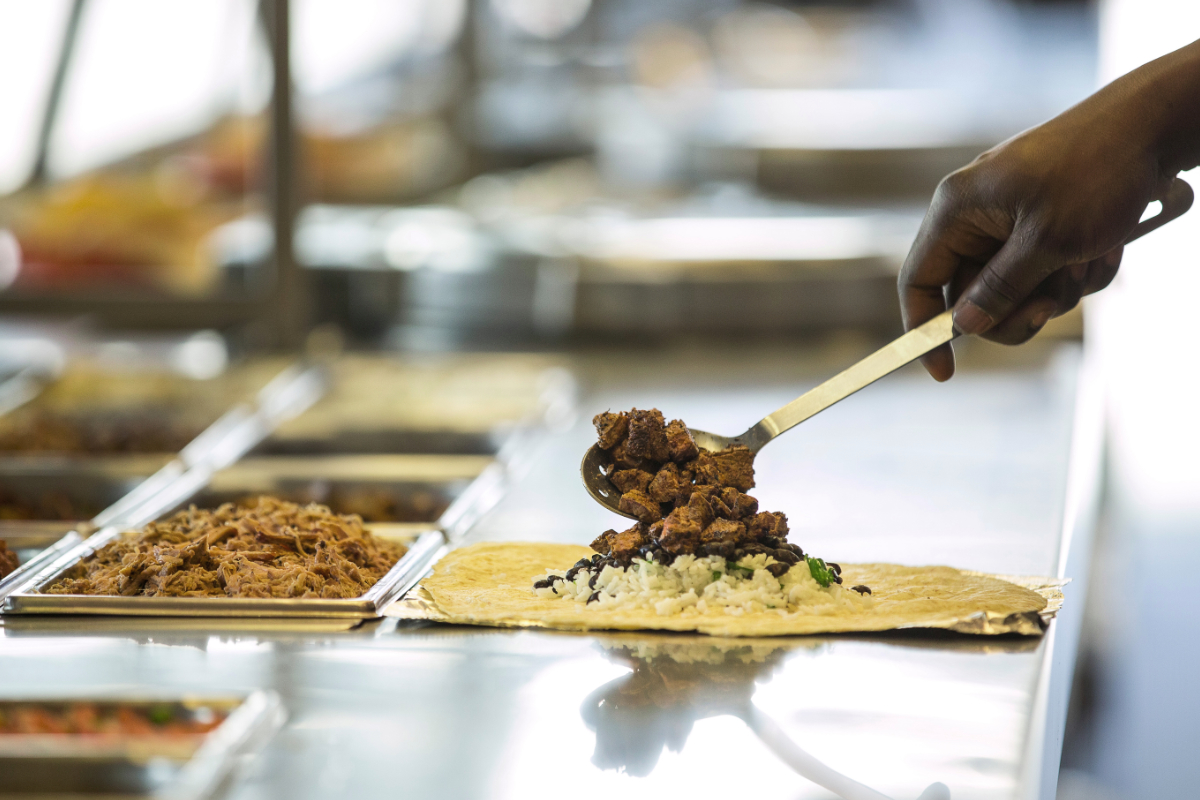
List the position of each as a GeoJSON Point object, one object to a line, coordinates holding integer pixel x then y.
{"type": "Point", "coordinates": [1018, 236]}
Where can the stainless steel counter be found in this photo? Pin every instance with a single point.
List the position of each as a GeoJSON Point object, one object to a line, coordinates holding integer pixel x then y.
{"type": "Point", "coordinates": [982, 473]}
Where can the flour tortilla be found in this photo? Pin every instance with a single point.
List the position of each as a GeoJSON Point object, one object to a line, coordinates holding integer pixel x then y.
{"type": "Point", "coordinates": [490, 584]}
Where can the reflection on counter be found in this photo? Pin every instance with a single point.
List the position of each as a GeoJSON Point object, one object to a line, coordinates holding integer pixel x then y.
{"type": "Point", "coordinates": [675, 683]}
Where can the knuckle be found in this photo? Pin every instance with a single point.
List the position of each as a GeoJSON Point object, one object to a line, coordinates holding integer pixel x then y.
{"type": "Point", "coordinates": [999, 287]}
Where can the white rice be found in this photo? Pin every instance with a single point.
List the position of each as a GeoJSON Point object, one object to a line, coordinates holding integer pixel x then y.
{"type": "Point", "coordinates": [693, 586]}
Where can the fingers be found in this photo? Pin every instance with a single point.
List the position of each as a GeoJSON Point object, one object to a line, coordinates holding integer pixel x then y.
{"type": "Point", "coordinates": [1102, 271]}
{"type": "Point", "coordinates": [930, 265]}
{"type": "Point", "coordinates": [1025, 321]}
{"type": "Point", "coordinates": [1007, 280]}
{"type": "Point", "coordinates": [1054, 296]}
{"type": "Point", "coordinates": [939, 363]}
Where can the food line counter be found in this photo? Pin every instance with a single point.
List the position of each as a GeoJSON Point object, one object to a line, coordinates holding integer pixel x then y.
{"type": "Point", "coordinates": [993, 472]}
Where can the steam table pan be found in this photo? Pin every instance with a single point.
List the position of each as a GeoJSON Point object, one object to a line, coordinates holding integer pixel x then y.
{"type": "Point", "coordinates": [154, 765]}
{"type": "Point", "coordinates": [425, 542]}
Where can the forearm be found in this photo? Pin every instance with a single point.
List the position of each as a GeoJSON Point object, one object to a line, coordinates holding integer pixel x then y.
{"type": "Point", "coordinates": [1165, 101]}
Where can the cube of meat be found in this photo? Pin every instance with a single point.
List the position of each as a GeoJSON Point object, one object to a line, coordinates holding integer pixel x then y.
{"type": "Point", "coordinates": [611, 429]}
{"type": "Point", "coordinates": [740, 505]}
{"type": "Point", "coordinates": [735, 467]}
{"type": "Point", "coordinates": [724, 531]}
{"type": "Point", "coordinates": [603, 542]}
{"type": "Point", "coordinates": [703, 490]}
{"type": "Point", "coordinates": [624, 459]}
{"type": "Point", "coordinates": [699, 508]}
{"type": "Point", "coordinates": [720, 510]}
{"type": "Point", "coordinates": [640, 505]}
{"type": "Point", "coordinates": [648, 435]}
{"type": "Point", "coordinates": [625, 545]}
{"type": "Point", "coordinates": [631, 480]}
{"type": "Point", "coordinates": [667, 484]}
{"type": "Point", "coordinates": [768, 525]}
{"type": "Point", "coordinates": [681, 532]}
{"type": "Point", "coordinates": [705, 469]}
{"type": "Point", "coordinates": [680, 444]}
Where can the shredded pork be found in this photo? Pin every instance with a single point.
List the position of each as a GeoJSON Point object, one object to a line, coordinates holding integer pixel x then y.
{"type": "Point", "coordinates": [271, 549]}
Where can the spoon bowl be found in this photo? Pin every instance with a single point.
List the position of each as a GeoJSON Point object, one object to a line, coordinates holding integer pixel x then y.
{"type": "Point", "coordinates": [601, 488]}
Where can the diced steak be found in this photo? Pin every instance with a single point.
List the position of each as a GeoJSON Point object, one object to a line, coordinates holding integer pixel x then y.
{"type": "Point", "coordinates": [667, 485]}
{"type": "Point", "coordinates": [735, 467]}
{"type": "Point", "coordinates": [625, 545]}
{"type": "Point", "coordinates": [681, 532]}
{"type": "Point", "coordinates": [624, 459]}
{"type": "Point", "coordinates": [603, 542]}
{"type": "Point", "coordinates": [640, 505]}
{"type": "Point", "coordinates": [768, 524]}
{"type": "Point", "coordinates": [680, 444]}
{"type": "Point", "coordinates": [611, 429]}
{"type": "Point", "coordinates": [724, 531]}
{"type": "Point", "coordinates": [648, 435]}
{"type": "Point", "coordinates": [630, 480]}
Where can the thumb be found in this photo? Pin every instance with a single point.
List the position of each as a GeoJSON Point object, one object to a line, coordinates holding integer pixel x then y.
{"type": "Point", "coordinates": [1005, 282]}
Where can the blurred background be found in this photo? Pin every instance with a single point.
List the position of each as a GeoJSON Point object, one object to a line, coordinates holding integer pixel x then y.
{"type": "Point", "coordinates": [457, 172]}
{"type": "Point", "coordinates": [185, 183]}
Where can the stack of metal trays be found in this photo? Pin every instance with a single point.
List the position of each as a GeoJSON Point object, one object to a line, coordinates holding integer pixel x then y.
{"type": "Point", "coordinates": [183, 748]}
{"type": "Point", "coordinates": [454, 404]}
{"type": "Point", "coordinates": [45, 493]}
{"type": "Point", "coordinates": [424, 500]}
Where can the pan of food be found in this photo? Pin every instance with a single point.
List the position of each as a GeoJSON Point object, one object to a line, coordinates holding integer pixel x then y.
{"type": "Point", "coordinates": [183, 748]}
{"type": "Point", "coordinates": [59, 493]}
{"type": "Point", "coordinates": [462, 404]}
{"type": "Point", "coordinates": [270, 559]}
{"type": "Point", "coordinates": [378, 488]}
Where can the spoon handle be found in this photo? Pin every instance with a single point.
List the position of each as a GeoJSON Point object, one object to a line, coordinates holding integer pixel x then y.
{"type": "Point", "coordinates": [890, 358]}
{"type": "Point", "coordinates": [914, 344]}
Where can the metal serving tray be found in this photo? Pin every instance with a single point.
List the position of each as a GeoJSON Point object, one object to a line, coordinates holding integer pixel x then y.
{"type": "Point", "coordinates": [28, 598]}
{"type": "Point", "coordinates": [59, 493]}
{"type": "Point", "coordinates": [66, 766]}
{"type": "Point", "coordinates": [379, 488]}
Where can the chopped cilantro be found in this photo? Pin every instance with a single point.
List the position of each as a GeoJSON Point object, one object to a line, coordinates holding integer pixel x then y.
{"type": "Point", "coordinates": [821, 573]}
{"type": "Point", "coordinates": [716, 575]}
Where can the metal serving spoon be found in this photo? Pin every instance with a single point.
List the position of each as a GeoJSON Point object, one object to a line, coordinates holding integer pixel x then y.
{"type": "Point", "coordinates": [907, 348]}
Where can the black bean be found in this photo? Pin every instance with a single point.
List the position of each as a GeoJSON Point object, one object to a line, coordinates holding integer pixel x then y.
{"type": "Point", "coordinates": [596, 558]}
{"type": "Point", "coordinates": [593, 596]}
{"type": "Point", "coordinates": [554, 578]}
{"type": "Point", "coordinates": [837, 568]}
{"type": "Point", "coordinates": [572, 572]}
{"type": "Point", "coordinates": [861, 589]}
{"type": "Point", "coordinates": [778, 569]}
{"type": "Point", "coordinates": [541, 584]}
{"type": "Point", "coordinates": [592, 582]}
{"type": "Point", "coordinates": [785, 556]}
{"type": "Point", "coordinates": [583, 563]}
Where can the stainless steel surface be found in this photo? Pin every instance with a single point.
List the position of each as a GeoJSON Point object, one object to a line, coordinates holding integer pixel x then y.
{"type": "Point", "coordinates": [972, 474]}
{"type": "Point", "coordinates": [233, 435]}
{"type": "Point", "coordinates": [27, 598]}
{"type": "Point", "coordinates": [884, 361]}
{"type": "Point", "coordinates": [61, 766]}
